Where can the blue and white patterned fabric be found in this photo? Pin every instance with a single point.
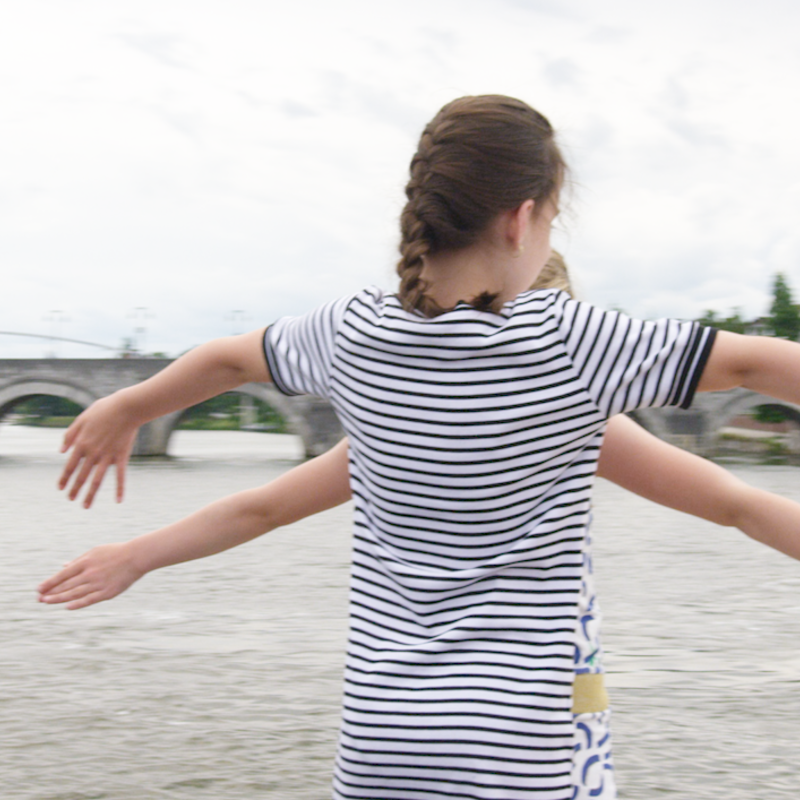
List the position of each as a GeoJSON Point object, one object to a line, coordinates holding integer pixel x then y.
{"type": "Point", "coordinates": [592, 765]}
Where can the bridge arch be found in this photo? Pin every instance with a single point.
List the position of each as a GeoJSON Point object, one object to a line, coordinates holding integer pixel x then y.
{"type": "Point", "coordinates": [85, 380]}
{"type": "Point", "coordinates": [296, 423]}
{"type": "Point", "coordinates": [310, 419]}
{"type": "Point", "coordinates": [13, 393]}
{"type": "Point", "coordinates": [737, 403]}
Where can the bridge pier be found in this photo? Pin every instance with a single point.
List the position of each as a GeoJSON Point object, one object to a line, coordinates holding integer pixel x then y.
{"type": "Point", "coordinates": [321, 429]}
{"type": "Point", "coordinates": [85, 380]}
{"type": "Point", "coordinates": [153, 437]}
{"type": "Point", "coordinates": [688, 429]}
{"type": "Point", "coordinates": [697, 429]}
{"type": "Point", "coordinates": [313, 420]}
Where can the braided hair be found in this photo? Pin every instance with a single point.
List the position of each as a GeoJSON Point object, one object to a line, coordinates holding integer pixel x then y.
{"type": "Point", "coordinates": [479, 156]}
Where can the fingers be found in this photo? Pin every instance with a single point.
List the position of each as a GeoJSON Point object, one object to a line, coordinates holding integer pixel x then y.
{"type": "Point", "coordinates": [88, 600]}
{"type": "Point", "coordinates": [82, 590]}
{"type": "Point", "coordinates": [79, 597]}
{"type": "Point", "coordinates": [86, 457]}
{"type": "Point", "coordinates": [65, 595]}
{"type": "Point", "coordinates": [75, 457]}
{"type": "Point", "coordinates": [82, 467]}
{"type": "Point", "coordinates": [76, 583]}
{"type": "Point", "coordinates": [95, 470]}
{"type": "Point", "coordinates": [69, 571]}
{"type": "Point", "coordinates": [70, 434]}
{"type": "Point", "coordinates": [83, 475]}
{"type": "Point", "coordinates": [99, 574]}
{"type": "Point", "coordinates": [74, 460]}
{"type": "Point", "coordinates": [78, 469]}
{"type": "Point", "coordinates": [121, 468]}
{"type": "Point", "coordinates": [67, 585]}
{"type": "Point", "coordinates": [97, 480]}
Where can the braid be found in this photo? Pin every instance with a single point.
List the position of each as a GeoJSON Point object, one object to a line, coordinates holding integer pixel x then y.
{"type": "Point", "coordinates": [478, 157]}
{"type": "Point", "coordinates": [416, 236]}
{"type": "Point", "coordinates": [413, 246]}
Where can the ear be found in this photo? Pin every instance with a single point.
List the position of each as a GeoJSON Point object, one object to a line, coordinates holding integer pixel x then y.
{"type": "Point", "coordinates": [517, 222]}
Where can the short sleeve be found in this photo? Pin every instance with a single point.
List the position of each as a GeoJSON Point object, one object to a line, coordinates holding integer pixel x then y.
{"type": "Point", "coordinates": [299, 350]}
{"type": "Point", "coordinates": [627, 363]}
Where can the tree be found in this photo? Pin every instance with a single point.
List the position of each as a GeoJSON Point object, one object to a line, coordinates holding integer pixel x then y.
{"type": "Point", "coordinates": [733, 322]}
{"type": "Point", "coordinates": [784, 316]}
{"type": "Point", "coordinates": [709, 318]}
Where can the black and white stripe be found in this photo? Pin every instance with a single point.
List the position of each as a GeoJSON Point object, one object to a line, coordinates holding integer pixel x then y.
{"type": "Point", "coordinates": [473, 446]}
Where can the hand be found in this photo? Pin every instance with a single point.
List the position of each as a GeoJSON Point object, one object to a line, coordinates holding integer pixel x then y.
{"type": "Point", "coordinates": [101, 436]}
{"type": "Point", "coordinates": [100, 574]}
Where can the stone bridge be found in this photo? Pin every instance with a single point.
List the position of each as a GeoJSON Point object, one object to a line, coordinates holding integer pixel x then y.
{"type": "Point", "coordinates": [697, 428]}
{"type": "Point", "coordinates": [313, 420]}
{"type": "Point", "coordinates": [85, 380]}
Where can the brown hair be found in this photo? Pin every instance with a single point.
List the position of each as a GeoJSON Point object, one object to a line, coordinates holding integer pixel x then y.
{"type": "Point", "coordinates": [479, 156]}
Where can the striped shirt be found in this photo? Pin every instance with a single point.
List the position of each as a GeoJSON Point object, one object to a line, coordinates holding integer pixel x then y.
{"type": "Point", "coordinates": [474, 439]}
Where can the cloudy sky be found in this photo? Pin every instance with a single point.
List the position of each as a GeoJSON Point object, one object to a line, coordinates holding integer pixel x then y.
{"type": "Point", "coordinates": [184, 169]}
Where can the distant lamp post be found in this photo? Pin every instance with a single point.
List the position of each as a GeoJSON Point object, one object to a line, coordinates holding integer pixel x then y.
{"type": "Point", "coordinates": [56, 318]}
{"type": "Point", "coordinates": [139, 339]}
{"type": "Point", "coordinates": [236, 318]}
{"type": "Point", "coordinates": [247, 407]}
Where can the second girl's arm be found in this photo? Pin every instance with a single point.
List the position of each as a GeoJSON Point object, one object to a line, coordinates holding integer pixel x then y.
{"type": "Point", "coordinates": [106, 571]}
{"type": "Point", "coordinates": [641, 463]}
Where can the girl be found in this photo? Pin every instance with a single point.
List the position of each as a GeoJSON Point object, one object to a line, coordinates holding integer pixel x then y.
{"type": "Point", "coordinates": [475, 411]}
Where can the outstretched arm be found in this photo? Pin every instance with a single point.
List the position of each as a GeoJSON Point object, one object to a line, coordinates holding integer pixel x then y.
{"type": "Point", "coordinates": [762, 363]}
{"type": "Point", "coordinates": [640, 462]}
{"type": "Point", "coordinates": [106, 571]}
{"type": "Point", "coordinates": [103, 435]}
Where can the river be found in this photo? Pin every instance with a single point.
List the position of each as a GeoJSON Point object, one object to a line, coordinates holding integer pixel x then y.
{"type": "Point", "coordinates": [221, 678]}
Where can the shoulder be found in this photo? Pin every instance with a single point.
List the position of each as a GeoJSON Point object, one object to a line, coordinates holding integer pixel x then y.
{"type": "Point", "coordinates": [372, 297]}
{"type": "Point", "coordinates": [537, 306]}
{"type": "Point", "coordinates": [333, 311]}
{"type": "Point", "coordinates": [539, 300]}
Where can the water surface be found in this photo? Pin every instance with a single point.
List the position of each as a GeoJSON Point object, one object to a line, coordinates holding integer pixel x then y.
{"type": "Point", "coordinates": [221, 678]}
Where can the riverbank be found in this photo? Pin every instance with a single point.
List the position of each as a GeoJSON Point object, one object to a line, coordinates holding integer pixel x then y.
{"type": "Point", "coordinates": [754, 443]}
{"type": "Point", "coordinates": [211, 423]}
{"type": "Point", "coordinates": [763, 444]}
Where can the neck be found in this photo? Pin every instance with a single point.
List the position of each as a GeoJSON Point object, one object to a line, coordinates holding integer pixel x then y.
{"type": "Point", "coordinates": [468, 273]}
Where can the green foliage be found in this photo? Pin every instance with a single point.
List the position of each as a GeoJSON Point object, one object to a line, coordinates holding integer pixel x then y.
{"type": "Point", "coordinates": [209, 424]}
{"type": "Point", "coordinates": [225, 413]}
{"type": "Point", "coordinates": [768, 414]}
{"type": "Point", "coordinates": [784, 317]}
{"type": "Point", "coordinates": [41, 406]}
{"type": "Point", "coordinates": [46, 411]}
{"type": "Point", "coordinates": [225, 404]}
{"type": "Point", "coordinates": [776, 452]}
{"type": "Point", "coordinates": [733, 322]}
